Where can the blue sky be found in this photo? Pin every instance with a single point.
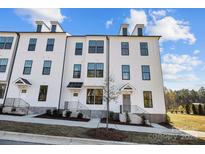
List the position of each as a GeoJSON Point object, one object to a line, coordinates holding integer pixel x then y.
{"type": "Point", "coordinates": [182, 30]}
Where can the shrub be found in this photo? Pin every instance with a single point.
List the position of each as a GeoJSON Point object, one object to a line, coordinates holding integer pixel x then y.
{"type": "Point", "coordinates": [181, 109]}
{"type": "Point", "coordinates": [193, 107]}
{"type": "Point", "coordinates": [68, 114]}
{"type": "Point", "coordinates": [127, 118]}
{"type": "Point", "coordinates": [187, 109]}
{"type": "Point", "coordinates": [80, 116]}
{"type": "Point", "coordinates": [116, 117]}
{"type": "Point", "coordinates": [200, 110]}
{"type": "Point", "coordinates": [48, 112]}
{"type": "Point", "coordinates": [55, 113]}
{"type": "Point", "coordinates": [143, 120]}
{"type": "Point", "coordinates": [167, 120]}
{"type": "Point", "coordinates": [111, 115]}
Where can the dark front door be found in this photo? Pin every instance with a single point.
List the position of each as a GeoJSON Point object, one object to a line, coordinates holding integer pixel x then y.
{"type": "Point", "coordinates": [126, 103]}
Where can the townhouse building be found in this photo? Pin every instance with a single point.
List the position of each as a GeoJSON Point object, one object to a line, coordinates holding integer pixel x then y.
{"type": "Point", "coordinates": [53, 69]}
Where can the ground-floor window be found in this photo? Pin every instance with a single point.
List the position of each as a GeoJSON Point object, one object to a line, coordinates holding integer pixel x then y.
{"type": "Point", "coordinates": [147, 99]}
{"type": "Point", "coordinates": [43, 93]}
{"type": "Point", "coordinates": [94, 96]}
{"type": "Point", "coordinates": [2, 90]}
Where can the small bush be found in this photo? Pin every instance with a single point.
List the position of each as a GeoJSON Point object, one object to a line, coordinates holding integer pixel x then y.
{"type": "Point", "coordinates": [80, 116]}
{"type": "Point", "coordinates": [127, 118]}
{"type": "Point", "coordinates": [143, 120]}
{"type": "Point", "coordinates": [111, 115]}
{"type": "Point", "coordinates": [200, 110]}
{"type": "Point", "coordinates": [116, 117]}
{"type": "Point", "coordinates": [187, 109]}
{"type": "Point", "coordinates": [55, 113]}
{"type": "Point", "coordinates": [193, 107]}
{"type": "Point", "coordinates": [181, 109]}
{"type": "Point", "coordinates": [48, 112]}
{"type": "Point", "coordinates": [68, 114]}
{"type": "Point", "coordinates": [167, 120]}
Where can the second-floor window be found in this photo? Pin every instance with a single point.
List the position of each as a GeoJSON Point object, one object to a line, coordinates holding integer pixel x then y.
{"type": "Point", "coordinates": [96, 46]}
{"type": "Point", "coordinates": [6, 42]}
{"type": "Point", "coordinates": [145, 72]}
{"type": "Point", "coordinates": [125, 72]}
{"type": "Point", "coordinates": [78, 48]}
{"type": "Point", "coordinates": [50, 44]}
{"type": "Point", "coordinates": [32, 44]}
{"type": "Point", "coordinates": [47, 67]}
{"type": "Point", "coordinates": [144, 48]}
{"type": "Point", "coordinates": [124, 48]}
{"type": "Point", "coordinates": [77, 71]}
{"type": "Point", "coordinates": [3, 64]}
{"type": "Point", "coordinates": [27, 67]}
{"type": "Point", "coordinates": [95, 70]}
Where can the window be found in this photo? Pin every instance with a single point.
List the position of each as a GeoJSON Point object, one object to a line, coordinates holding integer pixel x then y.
{"type": "Point", "coordinates": [147, 99]}
{"type": "Point", "coordinates": [124, 31]}
{"type": "Point", "coordinates": [96, 46]}
{"type": "Point", "coordinates": [23, 91]}
{"type": "Point", "coordinates": [94, 96]}
{"type": "Point", "coordinates": [50, 44]}
{"type": "Point", "coordinates": [32, 44]}
{"type": "Point", "coordinates": [6, 42]}
{"type": "Point", "coordinates": [46, 67]}
{"type": "Point", "coordinates": [78, 48]}
{"type": "Point", "coordinates": [145, 72]}
{"type": "Point", "coordinates": [95, 70]}
{"type": "Point", "coordinates": [53, 28]}
{"type": "Point", "coordinates": [3, 64]}
{"type": "Point", "coordinates": [75, 94]}
{"type": "Point", "coordinates": [139, 31]}
{"type": "Point", "coordinates": [2, 90]}
{"type": "Point", "coordinates": [125, 72]}
{"type": "Point", "coordinates": [144, 48]}
{"type": "Point", "coordinates": [124, 48]}
{"type": "Point", "coordinates": [39, 27]}
{"type": "Point", "coordinates": [77, 71]}
{"type": "Point", "coordinates": [27, 67]}
{"type": "Point", "coordinates": [43, 93]}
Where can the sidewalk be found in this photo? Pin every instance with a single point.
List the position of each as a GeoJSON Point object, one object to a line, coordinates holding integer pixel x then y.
{"type": "Point", "coordinates": [55, 140]}
{"type": "Point", "coordinates": [95, 123]}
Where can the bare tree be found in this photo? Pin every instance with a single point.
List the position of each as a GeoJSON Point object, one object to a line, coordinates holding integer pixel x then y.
{"type": "Point", "coordinates": [110, 94]}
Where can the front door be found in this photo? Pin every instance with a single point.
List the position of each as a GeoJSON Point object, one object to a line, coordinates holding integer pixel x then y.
{"type": "Point", "coordinates": [126, 103]}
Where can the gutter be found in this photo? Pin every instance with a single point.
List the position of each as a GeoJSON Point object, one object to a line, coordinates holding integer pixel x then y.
{"type": "Point", "coordinates": [62, 73]}
{"type": "Point", "coordinates": [11, 68]}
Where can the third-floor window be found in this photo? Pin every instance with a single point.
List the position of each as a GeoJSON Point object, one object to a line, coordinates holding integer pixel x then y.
{"type": "Point", "coordinates": [78, 48]}
{"type": "Point", "coordinates": [3, 64]}
{"type": "Point", "coordinates": [124, 48]}
{"type": "Point", "coordinates": [50, 44]}
{"type": "Point", "coordinates": [32, 44]}
{"type": "Point", "coordinates": [144, 48]}
{"type": "Point", "coordinates": [6, 42]}
{"type": "Point", "coordinates": [96, 46]}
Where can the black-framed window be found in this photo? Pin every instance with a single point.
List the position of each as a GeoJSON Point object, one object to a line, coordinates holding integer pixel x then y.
{"type": "Point", "coordinates": [145, 72]}
{"type": "Point", "coordinates": [53, 28]}
{"type": "Point", "coordinates": [124, 48]}
{"type": "Point", "coordinates": [39, 27]}
{"type": "Point", "coordinates": [77, 71]}
{"type": "Point", "coordinates": [144, 49]}
{"type": "Point", "coordinates": [94, 96]}
{"type": "Point", "coordinates": [50, 44]}
{"type": "Point", "coordinates": [78, 48]}
{"type": "Point", "coordinates": [140, 32]}
{"type": "Point", "coordinates": [32, 44]}
{"type": "Point", "coordinates": [124, 31]}
{"type": "Point", "coordinates": [96, 46]}
{"type": "Point", "coordinates": [147, 99]}
{"type": "Point", "coordinates": [43, 93]}
{"type": "Point", "coordinates": [27, 67]}
{"type": "Point", "coordinates": [2, 90]}
{"type": "Point", "coordinates": [3, 64]}
{"type": "Point", "coordinates": [95, 70]}
{"type": "Point", "coordinates": [125, 72]}
{"type": "Point", "coordinates": [46, 67]}
{"type": "Point", "coordinates": [6, 42]}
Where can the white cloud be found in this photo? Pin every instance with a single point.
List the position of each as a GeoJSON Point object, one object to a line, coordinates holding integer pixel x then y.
{"type": "Point", "coordinates": [136, 17]}
{"type": "Point", "coordinates": [196, 52]}
{"type": "Point", "coordinates": [179, 67]}
{"type": "Point", "coordinates": [109, 23]}
{"type": "Point", "coordinates": [41, 14]}
{"type": "Point", "coordinates": [171, 29]}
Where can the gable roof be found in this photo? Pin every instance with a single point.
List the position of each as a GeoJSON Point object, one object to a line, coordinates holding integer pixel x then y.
{"type": "Point", "coordinates": [22, 81]}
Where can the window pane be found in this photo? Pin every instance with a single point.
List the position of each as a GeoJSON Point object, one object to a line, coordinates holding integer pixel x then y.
{"type": "Point", "coordinates": [42, 93]}
{"type": "Point", "coordinates": [77, 71]}
{"type": "Point", "coordinates": [145, 68]}
{"type": "Point", "coordinates": [2, 90]}
{"type": "Point", "coordinates": [94, 96]}
{"type": "Point", "coordinates": [46, 67]}
{"type": "Point", "coordinates": [147, 99]}
{"type": "Point", "coordinates": [99, 70]}
{"type": "Point", "coordinates": [50, 44]}
{"type": "Point", "coordinates": [144, 48]}
{"type": "Point", "coordinates": [140, 31]}
{"type": "Point", "coordinates": [78, 48]}
{"type": "Point", "coordinates": [124, 48]}
{"type": "Point", "coordinates": [53, 28]}
{"type": "Point", "coordinates": [39, 28]}
{"type": "Point", "coordinates": [3, 64]}
{"type": "Point", "coordinates": [47, 63]}
{"type": "Point", "coordinates": [124, 31]}
{"type": "Point", "coordinates": [125, 72]}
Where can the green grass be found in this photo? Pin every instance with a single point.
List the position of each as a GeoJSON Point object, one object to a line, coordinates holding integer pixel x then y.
{"type": "Point", "coordinates": [187, 122]}
{"type": "Point", "coordinates": [141, 138]}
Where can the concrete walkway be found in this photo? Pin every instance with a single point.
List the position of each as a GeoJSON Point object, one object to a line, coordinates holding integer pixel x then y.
{"type": "Point", "coordinates": [95, 123]}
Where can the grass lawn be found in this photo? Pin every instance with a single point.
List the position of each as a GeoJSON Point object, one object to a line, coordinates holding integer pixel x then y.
{"type": "Point", "coordinates": [143, 138]}
{"type": "Point", "coordinates": [187, 122]}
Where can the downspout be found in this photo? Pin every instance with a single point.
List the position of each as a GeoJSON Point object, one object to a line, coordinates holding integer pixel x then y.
{"type": "Point", "coordinates": [108, 80]}
{"type": "Point", "coordinates": [11, 68]}
{"type": "Point", "coordinates": [62, 73]}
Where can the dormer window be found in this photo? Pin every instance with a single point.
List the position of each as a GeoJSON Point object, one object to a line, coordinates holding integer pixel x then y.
{"type": "Point", "coordinates": [53, 28]}
{"type": "Point", "coordinates": [39, 27]}
{"type": "Point", "coordinates": [124, 31]}
{"type": "Point", "coordinates": [139, 31]}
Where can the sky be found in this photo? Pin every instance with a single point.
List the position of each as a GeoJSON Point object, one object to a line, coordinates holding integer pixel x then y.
{"type": "Point", "coordinates": [182, 46]}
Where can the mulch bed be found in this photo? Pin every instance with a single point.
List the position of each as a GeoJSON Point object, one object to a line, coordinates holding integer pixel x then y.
{"type": "Point", "coordinates": [104, 134]}
{"type": "Point", "coordinates": [111, 121]}
{"type": "Point", "coordinates": [62, 118]}
{"type": "Point", "coordinates": [166, 125]}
